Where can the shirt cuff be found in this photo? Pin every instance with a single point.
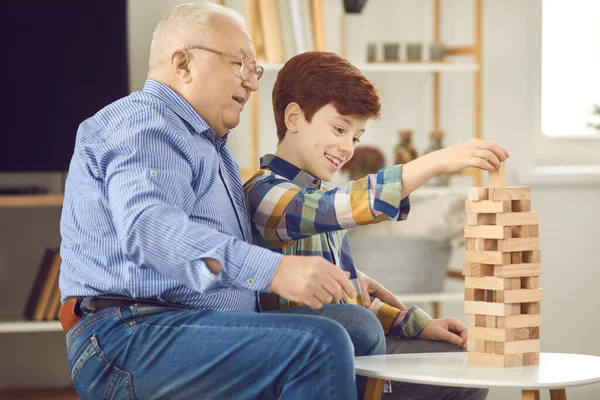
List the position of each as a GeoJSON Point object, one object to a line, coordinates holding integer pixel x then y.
{"type": "Point", "coordinates": [256, 268]}
{"type": "Point", "coordinates": [412, 324]}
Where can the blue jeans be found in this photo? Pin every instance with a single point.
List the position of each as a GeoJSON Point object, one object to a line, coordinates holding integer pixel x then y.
{"type": "Point", "coordinates": [142, 352]}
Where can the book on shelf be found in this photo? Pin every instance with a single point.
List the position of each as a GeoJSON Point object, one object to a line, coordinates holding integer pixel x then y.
{"type": "Point", "coordinates": [45, 293]}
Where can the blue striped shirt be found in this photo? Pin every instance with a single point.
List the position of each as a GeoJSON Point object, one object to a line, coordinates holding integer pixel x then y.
{"type": "Point", "coordinates": [151, 191]}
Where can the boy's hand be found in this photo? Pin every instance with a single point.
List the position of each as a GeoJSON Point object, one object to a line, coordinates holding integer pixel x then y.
{"type": "Point", "coordinates": [449, 329]}
{"type": "Point", "coordinates": [310, 280]}
{"type": "Point", "coordinates": [370, 287]}
{"type": "Point", "coordinates": [477, 153]}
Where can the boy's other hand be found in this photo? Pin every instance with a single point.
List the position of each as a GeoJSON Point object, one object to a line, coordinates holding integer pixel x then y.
{"type": "Point", "coordinates": [449, 329]}
{"type": "Point", "coordinates": [310, 280]}
{"type": "Point", "coordinates": [478, 153]}
{"type": "Point", "coordinates": [370, 286]}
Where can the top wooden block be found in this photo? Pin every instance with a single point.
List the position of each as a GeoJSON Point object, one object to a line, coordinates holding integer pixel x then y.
{"type": "Point", "coordinates": [498, 194]}
{"type": "Point", "coordinates": [497, 178]}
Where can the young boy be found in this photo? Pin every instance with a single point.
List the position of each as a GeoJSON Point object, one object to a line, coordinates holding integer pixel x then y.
{"type": "Point", "coordinates": [322, 104]}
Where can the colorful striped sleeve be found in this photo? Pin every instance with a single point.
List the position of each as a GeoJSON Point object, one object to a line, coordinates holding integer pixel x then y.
{"type": "Point", "coordinates": [397, 323]}
{"type": "Point", "coordinates": [283, 212]}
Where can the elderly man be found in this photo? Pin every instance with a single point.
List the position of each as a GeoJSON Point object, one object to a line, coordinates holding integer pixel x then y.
{"type": "Point", "coordinates": [159, 279]}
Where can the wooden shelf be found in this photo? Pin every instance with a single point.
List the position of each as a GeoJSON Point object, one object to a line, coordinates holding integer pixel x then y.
{"type": "Point", "coordinates": [31, 200]}
{"type": "Point", "coordinates": [40, 394]}
{"type": "Point", "coordinates": [21, 326]}
{"type": "Point", "coordinates": [404, 67]}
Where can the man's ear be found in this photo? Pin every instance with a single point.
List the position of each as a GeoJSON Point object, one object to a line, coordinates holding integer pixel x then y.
{"type": "Point", "coordinates": [181, 65]}
{"type": "Point", "coordinates": [293, 116]}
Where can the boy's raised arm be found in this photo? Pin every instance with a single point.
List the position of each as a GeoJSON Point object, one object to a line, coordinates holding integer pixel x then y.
{"type": "Point", "coordinates": [284, 212]}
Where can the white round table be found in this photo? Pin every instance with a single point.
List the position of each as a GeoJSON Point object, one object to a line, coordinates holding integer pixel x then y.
{"type": "Point", "coordinates": [556, 372]}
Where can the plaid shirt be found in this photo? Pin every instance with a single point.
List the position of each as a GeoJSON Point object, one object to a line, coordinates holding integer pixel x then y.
{"type": "Point", "coordinates": [294, 214]}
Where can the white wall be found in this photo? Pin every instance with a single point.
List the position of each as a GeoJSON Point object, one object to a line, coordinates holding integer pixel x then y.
{"type": "Point", "coordinates": [569, 218]}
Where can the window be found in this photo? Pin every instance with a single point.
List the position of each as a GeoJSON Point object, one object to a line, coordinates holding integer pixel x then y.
{"type": "Point", "coordinates": [570, 68]}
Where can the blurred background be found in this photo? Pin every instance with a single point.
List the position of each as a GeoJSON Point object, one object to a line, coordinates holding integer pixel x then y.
{"type": "Point", "coordinates": [523, 73]}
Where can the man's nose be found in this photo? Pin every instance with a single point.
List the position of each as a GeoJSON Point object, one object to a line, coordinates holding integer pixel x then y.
{"type": "Point", "coordinates": [251, 83]}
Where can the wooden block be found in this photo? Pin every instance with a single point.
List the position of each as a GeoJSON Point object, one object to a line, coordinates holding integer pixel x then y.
{"type": "Point", "coordinates": [473, 294]}
{"type": "Point", "coordinates": [517, 270]}
{"type": "Point", "coordinates": [481, 244]}
{"type": "Point", "coordinates": [480, 320]}
{"type": "Point", "coordinates": [489, 296]}
{"type": "Point", "coordinates": [517, 347]}
{"type": "Point", "coordinates": [534, 332]}
{"type": "Point", "coordinates": [533, 256]}
{"type": "Point", "coordinates": [488, 232]}
{"type": "Point", "coordinates": [525, 231]}
{"type": "Point", "coordinates": [495, 360]}
{"type": "Point", "coordinates": [488, 206]}
{"type": "Point", "coordinates": [481, 218]}
{"type": "Point", "coordinates": [490, 321]}
{"type": "Point", "coordinates": [521, 205]}
{"type": "Point", "coordinates": [498, 309]}
{"type": "Point", "coordinates": [497, 178]}
{"type": "Point", "coordinates": [494, 334]}
{"type": "Point", "coordinates": [489, 346]}
{"type": "Point", "coordinates": [476, 345]}
{"type": "Point", "coordinates": [486, 244]}
{"type": "Point", "coordinates": [530, 308]}
{"type": "Point", "coordinates": [521, 295]}
{"type": "Point", "coordinates": [519, 244]}
{"type": "Point", "coordinates": [492, 283]}
{"type": "Point", "coordinates": [477, 269]}
{"type": "Point", "coordinates": [530, 282]}
{"type": "Point", "coordinates": [516, 218]}
{"type": "Point", "coordinates": [509, 193]}
{"type": "Point", "coordinates": [499, 334]}
{"type": "Point", "coordinates": [531, 358]}
{"type": "Point", "coordinates": [487, 257]}
{"type": "Point", "coordinates": [519, 321]}
{"type": "Point", "coordinates": [516, 257]}
{"type": "Point", "coordinates": [478, 193]}
{"type": "Point", "coordinates": [470, 318]}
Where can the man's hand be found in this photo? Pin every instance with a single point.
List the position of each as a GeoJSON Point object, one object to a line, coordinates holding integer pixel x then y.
{"type": "Point", "coordinates": [449, 329]}
{"type": "Point", "coordinates": [370, 287]}
{"type": "Point", "coordinates": [311, 280]}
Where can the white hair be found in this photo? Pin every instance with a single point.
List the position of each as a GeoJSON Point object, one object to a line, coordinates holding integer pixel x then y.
{"type": "Point", "coordinates": [185, 25]}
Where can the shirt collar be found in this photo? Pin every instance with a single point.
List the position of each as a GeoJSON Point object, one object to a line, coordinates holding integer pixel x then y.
{"type": "Point", "coordinates": [181, 107]}
{"type": "Point", "coordinates": [289, 171]}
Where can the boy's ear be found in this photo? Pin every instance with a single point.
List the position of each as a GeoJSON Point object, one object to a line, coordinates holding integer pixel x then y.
{"type": "Point", "coordinates": [293, 116]}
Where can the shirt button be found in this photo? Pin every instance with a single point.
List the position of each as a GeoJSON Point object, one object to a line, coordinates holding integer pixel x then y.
{"type": "Point", "coordinates": [152, 173]}
{"type": "Point", "coordinates": [211, 276]}
{"type": "Point", "coordinates": [250, 281]}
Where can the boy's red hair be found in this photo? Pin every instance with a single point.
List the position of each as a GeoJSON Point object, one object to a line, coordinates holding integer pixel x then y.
{"type": "Point", "coordinates": [315, 79]}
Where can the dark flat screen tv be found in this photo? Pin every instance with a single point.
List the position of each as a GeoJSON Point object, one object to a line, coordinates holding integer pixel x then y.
{"type": "Point", "coordinates": [63, 61]}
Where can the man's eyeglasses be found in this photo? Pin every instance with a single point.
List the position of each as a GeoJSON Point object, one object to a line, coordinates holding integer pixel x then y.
{"type": "Point", "coordinates": [248, 66]}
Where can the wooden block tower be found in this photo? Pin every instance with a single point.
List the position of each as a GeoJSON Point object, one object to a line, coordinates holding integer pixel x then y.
{"type": "Point", "coordinates": [502, 269]}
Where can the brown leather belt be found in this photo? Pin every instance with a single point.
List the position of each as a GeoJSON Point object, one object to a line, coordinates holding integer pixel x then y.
{"type": "Point", "coordinates": [71, 313]}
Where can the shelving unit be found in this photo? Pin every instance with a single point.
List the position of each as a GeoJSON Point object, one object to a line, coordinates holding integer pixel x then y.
{"type": "Point", "coordinates": [15, 326]}
{"type": "Point", "coordinates": [30, 201]}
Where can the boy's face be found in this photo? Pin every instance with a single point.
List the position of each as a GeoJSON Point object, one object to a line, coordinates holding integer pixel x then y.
{"type": "Point", "coordinates": [327, 142]}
